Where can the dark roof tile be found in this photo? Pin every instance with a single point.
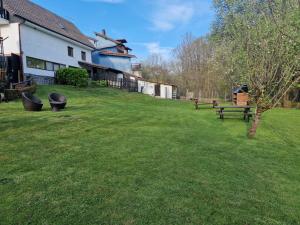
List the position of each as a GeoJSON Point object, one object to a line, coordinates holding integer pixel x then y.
{"type": "Point", "coordinates": [46, 19]}
{"type": "Point", "coordinates": [110, 53]}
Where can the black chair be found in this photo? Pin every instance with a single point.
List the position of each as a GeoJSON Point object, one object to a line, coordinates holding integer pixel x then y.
{"type": "Point", "coordinates": [31, 103]}
{"type": "Point", "coordinates": [57, 101]}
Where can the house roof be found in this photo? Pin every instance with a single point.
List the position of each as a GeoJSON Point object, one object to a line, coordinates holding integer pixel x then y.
{"type": "Point", "coordinates": [124, 41]}
{"type": "Point", "coordinates": [110, 53]}
{"type": "Point", "coordinates": [97, 66]}
{"type": "Point", "coordinates": [241, 89]}
{"type": "Point", "coordinates": [122, 47]}
{"type": "Point", "coordinates": [91, 38]}
{"type": "Point", "coordinates": [34, 13]}
{"type": "Point", "coordinates": [93, 65]}
{"type": "Point", "coordinates": [108, 38]}
{"type": "Point", "coordinates": [120, 42]}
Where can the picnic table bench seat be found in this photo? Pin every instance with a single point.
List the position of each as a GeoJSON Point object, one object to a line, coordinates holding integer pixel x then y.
{"type": "Point", "coordinates": [224, 111]}
{"type": "Point", "coordinates": [212, 104]}
{"type": "Point", "coordinates": [245, 110]}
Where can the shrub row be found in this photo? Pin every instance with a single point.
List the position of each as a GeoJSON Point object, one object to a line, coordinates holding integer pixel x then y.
{"type": "Point", "coordinates": [72, 76]}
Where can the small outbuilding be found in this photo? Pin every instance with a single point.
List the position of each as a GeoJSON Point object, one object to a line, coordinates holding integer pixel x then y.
{"type": "Point", "coordinates": [146, 87]}
{"type": "Point", "coordinates": [165, 91]}
{"type": "Point", "coordinates": [240, 95]}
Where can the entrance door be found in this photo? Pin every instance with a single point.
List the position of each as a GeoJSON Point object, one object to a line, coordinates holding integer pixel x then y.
{"type": "Point", "coordinates": [157, 90]}
{"type": "Point", "coordinates": [166, 92]}
{"type": "Point", "coordinates": [14, 69]}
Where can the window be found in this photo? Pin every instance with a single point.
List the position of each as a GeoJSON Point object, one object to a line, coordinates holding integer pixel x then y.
{"type": "Point", "coordinates": [43, 65]}
{"type": "Point", "coordinates": [36, 63]}
{"type": "Point", "coordinates": [70, 52]}
{"type": "Point", "coordinates": [49, 66]}
{"type": "Point", "coordinates": [83, 56]}
{"type": "Point", "coordinates": [56, 67]}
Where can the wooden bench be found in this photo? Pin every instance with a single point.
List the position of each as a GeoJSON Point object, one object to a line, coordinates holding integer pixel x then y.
{"type": "Point", "coordinates": [213, 104]}
{"type": "Point", "coordinates": [245, 110]}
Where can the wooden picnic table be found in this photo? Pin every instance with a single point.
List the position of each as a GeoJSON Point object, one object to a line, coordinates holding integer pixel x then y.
{"type": "Point", "coordinates": [246, 110]}
{"type": "Point", "coordinates": [198, 103]}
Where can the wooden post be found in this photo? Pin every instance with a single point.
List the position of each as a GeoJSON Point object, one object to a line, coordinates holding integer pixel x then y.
{"type": "Point", "coordinates": [196, 103]}
{"type": "Point", "coordinates": [215, 103]}
{"type": "Point", "coordinates": [19, 76]}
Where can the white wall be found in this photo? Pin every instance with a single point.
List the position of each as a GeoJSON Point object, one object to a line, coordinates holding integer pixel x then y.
{"type": "Point", "coordinates": [104, 43]}
{"type": "Point", "coordinates": [166, 91]}
{"type": "Point", "coordinates": [46, 45]}
{"type": "Point", "coordinates": [147, 88]}
{"type": "Point", "coordinates": [11, 44]}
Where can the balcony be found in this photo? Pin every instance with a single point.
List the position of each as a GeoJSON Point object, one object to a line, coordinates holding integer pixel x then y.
{"type": "Point", "coordinates": [136, 66]}
{"type": "Point", "coordinates": [4, 17]}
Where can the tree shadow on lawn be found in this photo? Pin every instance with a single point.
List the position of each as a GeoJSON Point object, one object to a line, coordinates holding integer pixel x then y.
{"type": "Point", "coordinates": [231, 121]}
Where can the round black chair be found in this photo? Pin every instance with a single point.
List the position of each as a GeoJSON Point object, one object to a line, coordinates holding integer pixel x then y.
{"type": "Point", "coordinates": [57, 101]}
{"type": "Point", "coordinates": [31, 103]}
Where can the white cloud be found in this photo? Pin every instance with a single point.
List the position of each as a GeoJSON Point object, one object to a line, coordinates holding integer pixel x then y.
{"type": "Point", "coordinates": [105, 1]}
{"type": "Point", "coordinates": [168, 14]}
{"type": "Point", "coordinates": [155, 48]}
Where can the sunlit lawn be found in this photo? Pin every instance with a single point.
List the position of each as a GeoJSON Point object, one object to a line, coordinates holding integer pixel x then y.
{"type": "Point", "coordinates": [114, 157]}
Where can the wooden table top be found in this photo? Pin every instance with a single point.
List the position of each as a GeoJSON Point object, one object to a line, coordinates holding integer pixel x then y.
{"type": "Point", "coordinates": [234, 107]}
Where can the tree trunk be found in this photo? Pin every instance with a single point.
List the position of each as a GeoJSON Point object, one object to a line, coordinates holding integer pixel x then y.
{"type": "Point", "coordinates": [252, 130]}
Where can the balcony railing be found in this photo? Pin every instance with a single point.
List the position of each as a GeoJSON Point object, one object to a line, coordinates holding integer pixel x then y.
{"type": "Point", "coordinates": [136, 66]}
{"type": "Point", "coordinates": [4, 14]}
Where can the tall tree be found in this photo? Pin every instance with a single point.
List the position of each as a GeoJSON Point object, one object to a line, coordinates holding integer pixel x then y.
{"type": "Point", "coordinates": [155, 68]}
{"type": "Point", "coordinates": [194, 55]}
{"type": "Point", "coordinates": [262, 55]}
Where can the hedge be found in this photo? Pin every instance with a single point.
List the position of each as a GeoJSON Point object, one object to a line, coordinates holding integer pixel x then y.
{"type": "Point", "coordinates": [72, 76]}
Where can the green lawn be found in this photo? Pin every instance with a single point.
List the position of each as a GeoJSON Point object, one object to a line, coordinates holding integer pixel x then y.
{"type": "Point", "coordinates": [114, 157]}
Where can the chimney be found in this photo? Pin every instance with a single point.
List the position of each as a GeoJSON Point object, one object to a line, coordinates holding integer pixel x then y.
{"type": "Point", "coordinates": [104, 32]}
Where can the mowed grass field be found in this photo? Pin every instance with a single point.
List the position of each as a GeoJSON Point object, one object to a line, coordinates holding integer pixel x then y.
{"type": "Point", "coordinates": [114, 157]}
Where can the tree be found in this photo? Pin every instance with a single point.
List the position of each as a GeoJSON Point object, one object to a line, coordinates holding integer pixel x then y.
{"type": "Point", "coordinates": [155, 68]}
{"type": "Point", "coordinates": [195, 59]}
{"type": "Point", "coordinates": [264, 58]}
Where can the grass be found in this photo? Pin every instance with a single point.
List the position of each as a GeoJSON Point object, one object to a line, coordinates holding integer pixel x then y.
{"type": "Point", "coordinates": [114, 157]}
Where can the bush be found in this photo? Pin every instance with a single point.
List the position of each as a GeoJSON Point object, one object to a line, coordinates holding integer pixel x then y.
{"type": "Point", "coordinates": [72, 76]}
{"type": "Point", "coordinates": [94, 83]}
{"type": "Point", "coordinates": [103, 83]}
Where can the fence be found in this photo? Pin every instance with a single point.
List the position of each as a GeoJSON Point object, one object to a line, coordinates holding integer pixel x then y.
{"type": "Point", "coordinates": [130, 85]}
{"type": "Point", "coordinates": [41, 80]}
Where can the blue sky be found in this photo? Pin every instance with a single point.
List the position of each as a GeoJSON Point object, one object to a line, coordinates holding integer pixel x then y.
{"type": "Point", "coordinates": [150, 26]}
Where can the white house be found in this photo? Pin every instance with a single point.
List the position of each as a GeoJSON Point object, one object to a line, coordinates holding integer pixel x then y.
{"type": "Point", "coordinates": [44, 41]}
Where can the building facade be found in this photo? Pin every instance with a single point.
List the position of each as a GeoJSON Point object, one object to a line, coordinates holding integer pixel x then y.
{"type": "Point", "coordinates": [44, 41]}
{"type": "Point", "coordinates": [111, 53]}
